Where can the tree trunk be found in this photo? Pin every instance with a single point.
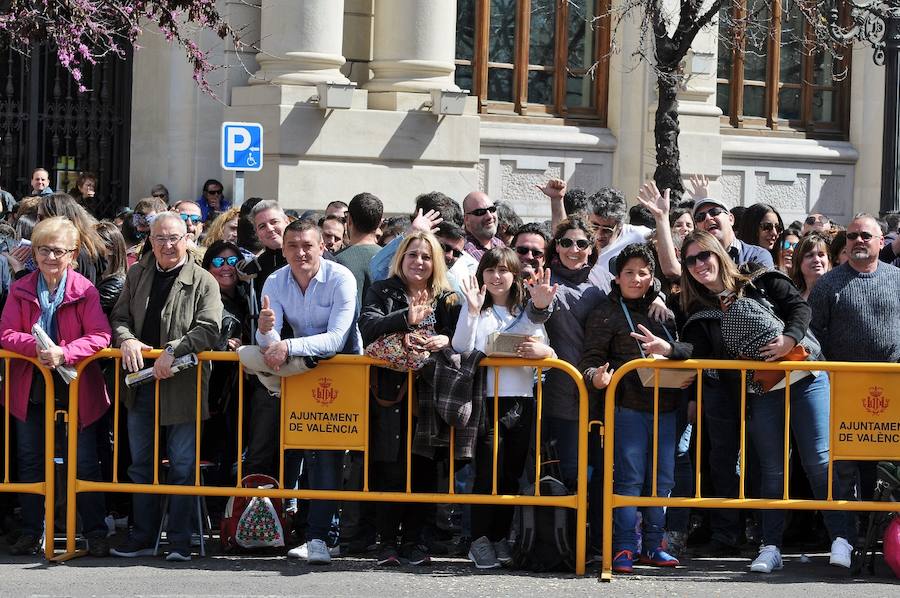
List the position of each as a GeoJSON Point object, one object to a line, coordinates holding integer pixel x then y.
{"type": "Point", "coordinates": [668, 157]}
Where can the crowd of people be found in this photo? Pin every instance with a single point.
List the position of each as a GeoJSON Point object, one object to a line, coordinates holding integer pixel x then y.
{"type": "Point", "coordinates": [597, 286]}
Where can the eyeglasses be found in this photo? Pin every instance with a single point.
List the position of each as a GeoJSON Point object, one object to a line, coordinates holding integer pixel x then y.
{"type": "Point", "coordinates": [170, 240]}
{"type": "Point", "coordinates": [785, 245]}
{"type": "Point", "coordinates": [192, 217]}
{"type": "Point", "coordinates": [523, 250]}
{"type": "Point", "coordinates": [691, 260]}
{"type": "Point", "coordinates": [566, 243]}
{"type": "Point", "coordinates": [159, 195]}
{"type": "Point", "coordinates": [218, 262]}
{"type": "Point", "coordinates": [864, 235]}
{"type": "Point", "coordinates": [138, 219]}
{"type": "Point", "coordinates": [701, 216]}
{"type": "Point", "coordinates": [769, 226]}
{"type": "Point", "coordinates": [53, 252]}
{"type": "Point", "coordinates": [482, 211]}
{"type": "Point", "coordinates": [447, 249]}
{"type": "Point", "coordinates": [214, 192]}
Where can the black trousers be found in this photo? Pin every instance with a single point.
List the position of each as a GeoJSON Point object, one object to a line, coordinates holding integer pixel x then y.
{"type": "Point", "coordinates": [411, 517]}
{"type": "Point", "coordinates": [516, 424]}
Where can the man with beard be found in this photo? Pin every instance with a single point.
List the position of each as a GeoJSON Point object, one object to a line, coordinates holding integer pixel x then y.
{"type": "Point", "coordinates": [480, 221]}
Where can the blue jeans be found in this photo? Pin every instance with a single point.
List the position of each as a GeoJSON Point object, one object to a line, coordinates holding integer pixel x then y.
{"type": "Point", "coordinates": [809, 424]}
{"type": "Point", "coordinates": [30, 445]}
{"type": "Point", "coordinates": [565, 433]}
{"type": "Point", "coordinates": [324, 469]}
{"type": "Point", "coordinates": [180, 450]}
{"type": "Point", "coordinates": [633, 475]}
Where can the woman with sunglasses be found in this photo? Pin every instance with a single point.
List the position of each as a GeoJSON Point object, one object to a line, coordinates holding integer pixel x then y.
{"type": "Point", "coordinates": [219, 441]}
{"type": "Point", "coordinates": [760, 225]}
{"type": "Point", "coordinates": [571, 258]}
{"type": "Point", "coordinates": [783, 252]}
{"type": "Point", "coordinates": [710, 283]}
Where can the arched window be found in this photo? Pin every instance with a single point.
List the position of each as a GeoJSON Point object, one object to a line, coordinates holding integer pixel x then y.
{"type": "Point", "coordinates": [534, 57]}
{"type": "Point", "coordinates": [771, 77]}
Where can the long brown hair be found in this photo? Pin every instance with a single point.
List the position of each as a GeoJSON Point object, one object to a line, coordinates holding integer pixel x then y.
{"type": "Point", "coordinates": [695, 296]}
{"type": "Point", "coordinates": [506, 257]}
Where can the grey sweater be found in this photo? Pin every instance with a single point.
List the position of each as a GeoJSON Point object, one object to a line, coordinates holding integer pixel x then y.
{"type": "Point", "coordinates": [856, 316]}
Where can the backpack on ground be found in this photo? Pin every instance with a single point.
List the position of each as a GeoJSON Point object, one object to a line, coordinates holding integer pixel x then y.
{"type": "Point", "coordinates": [544, 537]}
{"type": "Point", "coordinates": [253, 522]}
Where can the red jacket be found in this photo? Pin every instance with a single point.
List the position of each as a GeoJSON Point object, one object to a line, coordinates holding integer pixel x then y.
{"type": "Point", "coordinates": [82, 330]}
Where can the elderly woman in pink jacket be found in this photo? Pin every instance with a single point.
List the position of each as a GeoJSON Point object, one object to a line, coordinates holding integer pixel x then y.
{"type": "Point", "coordinates": [67, 306]}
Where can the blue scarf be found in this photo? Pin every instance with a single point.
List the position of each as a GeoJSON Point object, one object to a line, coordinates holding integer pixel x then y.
{"type": "Point", "coordinates": [49, 304]}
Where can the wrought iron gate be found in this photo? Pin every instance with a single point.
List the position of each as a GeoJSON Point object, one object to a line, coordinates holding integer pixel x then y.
{"type": "Point", "coordinates": [45, 121]}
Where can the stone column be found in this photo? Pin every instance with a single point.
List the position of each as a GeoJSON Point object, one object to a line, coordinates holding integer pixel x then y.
{"type": "Point", "coordinates": [301, 42]}
{"type": "Point", "coordinates": [414, 46]}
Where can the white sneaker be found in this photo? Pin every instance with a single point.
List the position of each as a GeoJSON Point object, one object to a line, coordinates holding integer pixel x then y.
{"type": "Point", "coordinates": [769, 560]}
{"type": "Point", "coordinates": [840, 553]}
{"type": "Point", "coordinates": [298, 552]}
{"type": "Point", "coordinates": [317, 553]}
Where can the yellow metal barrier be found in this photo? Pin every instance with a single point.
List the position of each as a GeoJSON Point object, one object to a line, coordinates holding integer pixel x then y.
{"type": "Point", "coordinates": [851, 377]}
{"type": "Point", "coordinates": [45, 488]}
{"type": "Point", "coordinates": [577, 501]}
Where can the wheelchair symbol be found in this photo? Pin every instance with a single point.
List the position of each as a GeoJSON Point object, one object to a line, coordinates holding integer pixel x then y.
{"type": "Point", "coordinates": [251, 161]}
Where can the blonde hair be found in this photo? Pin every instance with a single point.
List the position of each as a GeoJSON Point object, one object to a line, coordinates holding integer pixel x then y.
{"type": "Point", "coordinates": [439, 282]}
{"type": "Point", "coordinates": [216, 229]}
{"type": "Point", "coordinates": [56, 226]}
{"type": "Point", "coordinates": [695, 296]}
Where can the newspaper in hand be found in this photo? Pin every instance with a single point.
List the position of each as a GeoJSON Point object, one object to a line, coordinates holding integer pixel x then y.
{"type": "Point", "coordinates": [146, 375]}
{"type": "Point", "coordinates": [44, 342]}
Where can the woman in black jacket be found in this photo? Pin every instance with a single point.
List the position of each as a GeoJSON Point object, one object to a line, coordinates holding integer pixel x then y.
{"type": "Point", "coordinates": [417, 298]}
{"type": "Point", "coordinates": [711, 286]}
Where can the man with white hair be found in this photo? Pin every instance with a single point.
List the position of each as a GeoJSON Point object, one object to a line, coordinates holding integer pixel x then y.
{"type": "Point", "coordinates": [168, 302]}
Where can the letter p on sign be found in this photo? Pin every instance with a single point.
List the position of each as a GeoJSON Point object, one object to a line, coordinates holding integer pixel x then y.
{"type": "Point", "coordinates": [242, 146]}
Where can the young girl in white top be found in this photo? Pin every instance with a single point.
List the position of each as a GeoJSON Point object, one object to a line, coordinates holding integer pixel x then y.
{"type": "Point", "coordinates": [496, 302]}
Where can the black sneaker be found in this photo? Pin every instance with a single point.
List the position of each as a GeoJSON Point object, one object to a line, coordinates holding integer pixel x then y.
{"type": "Point", "coordinates": [388, 557]}
{"type": "Point", "coordinates": [132, 548]}
{"type": "Point", "coordinates": [25, 545]}
{"type": "Point", "coordinates": [98, 547]}
{"type": "Point", "coordinates": [415, 554]}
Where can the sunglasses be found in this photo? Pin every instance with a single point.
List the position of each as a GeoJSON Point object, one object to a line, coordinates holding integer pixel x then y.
{"type": "Point", "coordinates": [138, 219]}
{"type": "Point", "coordinates": [788, 245]}
{"type": "Point", "coordinates": [192, 217]}
{"type": "Point", "coordinates": [214, 192]}
{"type": "Point", "coordinates": [813, 219]}
{"type": "Point", "coordinates": [605, 230]}
{"type": "Point", "coordinates": [522, 250]}
{"type": "Point", "coordinates": [701, 216]}
{"type": "Point", "coordinates": [864, 235]}
{"type": "Point", "coordinates": [769, 227]}
{"type": "Point", "coordinates": [567, 243]}
{"type": "Point", "coordinates": [452, 250]}
{"type": "Point", "coordinates": [691, 260]}
{"type": "Point", "coordinates": [482, 211]}
{"type": "Point", "coordinates": [218, 262]}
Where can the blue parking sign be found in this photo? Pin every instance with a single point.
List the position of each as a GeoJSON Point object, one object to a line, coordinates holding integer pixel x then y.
{"type": "Point", "coordinates": [242, 146]}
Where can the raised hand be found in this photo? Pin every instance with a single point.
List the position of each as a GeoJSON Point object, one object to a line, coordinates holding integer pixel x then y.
{"type": "Point", "coordinates": [266, 316]}
{"type": "Point", "coordinates": [427, 222]}
{"type": "Point", "coordinates": [602, 376]}
{"type": "Point", "coordinates": [419, 309]}
{"type": "Point", "coordinates": [658, 204]}
{"type": "Point", "coordinates": [699, 186]}
{"type": "Point", "coordinates": [555, 189]}
{"type": "Point", "coordinates": [473, 294]}
{"type": "Point", "coordinates": [540, 289]}
{"type": "Point", "coordinates": [651, 343]}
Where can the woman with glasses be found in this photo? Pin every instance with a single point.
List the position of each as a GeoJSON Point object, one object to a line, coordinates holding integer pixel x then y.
{"type": "Point", "coordinates": [67, 307]}
{"type": "Point", "coordinates": [571, 258]}
{"type": "Point", "coordinates": [784, 250]}
{"type": "Point", "coordinates": [813, 261]}
{"type": "Point", "coordinates": [760, 225]}
{"type": "Point", "coordinates": [710, 286]}
{"type": "Point", "coordinates": [416, 298]}
{"type": "Point", "coordinates": [496, 302]}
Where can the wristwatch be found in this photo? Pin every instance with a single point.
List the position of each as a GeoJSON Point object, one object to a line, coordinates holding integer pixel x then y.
{"type": "Point", "coordinates": [170, 350]}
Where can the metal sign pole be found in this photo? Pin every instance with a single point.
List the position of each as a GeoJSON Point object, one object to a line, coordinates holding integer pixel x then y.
{"type": "Point", "coordinates": [238, 195]}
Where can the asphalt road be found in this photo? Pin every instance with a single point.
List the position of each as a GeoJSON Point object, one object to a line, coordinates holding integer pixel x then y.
{"type": "Point", "coordinates": [276, 576]}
